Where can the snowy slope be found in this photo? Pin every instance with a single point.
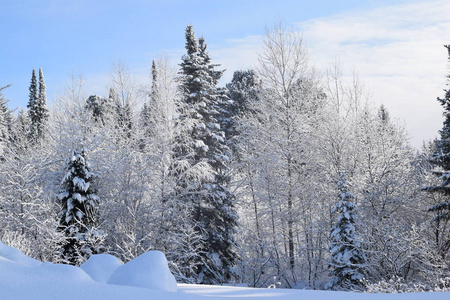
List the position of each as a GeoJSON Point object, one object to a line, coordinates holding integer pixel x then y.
{"type": "Point", "coordinates": [24, 278]}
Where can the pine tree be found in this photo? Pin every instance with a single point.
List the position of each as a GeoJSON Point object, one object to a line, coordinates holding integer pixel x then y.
{"type": "Point", "coordinates": [79, 215]}
{"type": "Point", "coordinates": [200, 162]}
{"type": "Point", "coordinates": [441, 159]}
{"type": "Point", "coordinates": [347, 259]}
{"type": "Point", "coordinates": [38, 112]}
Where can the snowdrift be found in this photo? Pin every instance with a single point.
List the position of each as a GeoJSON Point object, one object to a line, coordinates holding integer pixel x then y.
{"type": "Point", "coordinates": [103, 277]}
{"type": "Point", "coordinates": [149, 270]}
{"type": "Point", "coordinates": [101, 266]}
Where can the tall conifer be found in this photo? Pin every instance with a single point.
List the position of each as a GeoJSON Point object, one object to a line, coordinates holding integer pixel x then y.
{"type": "Point", "coordinates": [441, 160]}
{"type": "Point", "coordinates": [37, 108]}
{"type": "Point", "coordinates": [200, 162]}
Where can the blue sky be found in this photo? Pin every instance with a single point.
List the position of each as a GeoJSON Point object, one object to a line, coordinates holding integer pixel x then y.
{"type": "Point", "coordinates": [86, 37]}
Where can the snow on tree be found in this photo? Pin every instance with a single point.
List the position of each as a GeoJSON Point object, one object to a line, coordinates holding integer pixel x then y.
{"type": "Point", "coordinates": [37, 108]}
{"type": "Point", "coordinates": [122, 93]}
{"type": "Point", "coordinates": [5, 123]}
{"type": "Point", "coordinates": [200, 162]}
{"type": "Point", "coordinates": [79, 215]}
{"type": "Point", "coordinates": [243, 91]}
{"type": "Point", "coordinates": [441, 160]}
{"type": "Point", "coordinates": [347, 258]}
{"type": "Point", "coordinates": [101, 108]}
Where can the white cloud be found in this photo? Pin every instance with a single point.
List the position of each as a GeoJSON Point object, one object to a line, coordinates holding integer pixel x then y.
{"type": "Point", "coordinates": [396, 50]}
{"type": "Point", "coordinates": [398, 53]}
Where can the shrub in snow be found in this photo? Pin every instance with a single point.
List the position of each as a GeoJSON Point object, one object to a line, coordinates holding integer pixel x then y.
{"type": "Point", "coordinates": [149, 270]}
{"type": "Point", "coordinates": [101, 266]}
{"type": "Point", "coordinates": [400, 285]}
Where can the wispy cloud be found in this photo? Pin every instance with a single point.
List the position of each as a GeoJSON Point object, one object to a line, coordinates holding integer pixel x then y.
{"type": "Point", "coordinates": [396, 50]}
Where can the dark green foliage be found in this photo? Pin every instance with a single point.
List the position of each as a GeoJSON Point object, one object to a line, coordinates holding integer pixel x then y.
{"type": "Point", "coordinates": [37, 108]}
{"type": "Point", "coordinates": [441, 159]}
{"type": "Point", "coordinates": [200, 167]}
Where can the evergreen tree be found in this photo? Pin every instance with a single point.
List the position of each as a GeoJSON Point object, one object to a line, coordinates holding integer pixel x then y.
{"type": "Point", "coordinates": [79, 215]}
{"type": "Point", "coordinates": [123, 112]}
{"type": "Point", "coordinates": [242, 91]}
{"type": "Point", "coordinates": [101, 109]}
{"type": "Point", "coordinates": [5, 123]}
{"type": "Point", "coordinates": [441, 159]}
{"type": "Point", "coordinates": [347, 259]}
{"type": "Point", "coordinates": [200, 162]}
{"type": "Point", "coordinates": [33, 93]}
{"type": "Point", "coordinates": [38, 112]}
{"type": "Point", "coordinates": [148, 116]}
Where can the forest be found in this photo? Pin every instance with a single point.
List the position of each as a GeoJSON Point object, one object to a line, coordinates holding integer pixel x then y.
{"type": "Point", "coordinates": [286, 176]}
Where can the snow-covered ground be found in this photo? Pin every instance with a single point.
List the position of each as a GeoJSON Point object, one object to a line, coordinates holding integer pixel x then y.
{"type": "Point", "coordinates": [147, 277]}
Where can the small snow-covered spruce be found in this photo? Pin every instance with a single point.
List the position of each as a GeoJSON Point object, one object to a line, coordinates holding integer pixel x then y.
{"type": "Point", "coordinates": [78, 216]}
{"type": "Point", "coordinates": [347, 258]}
{"type": "Point", "coordinates": [441, 159]}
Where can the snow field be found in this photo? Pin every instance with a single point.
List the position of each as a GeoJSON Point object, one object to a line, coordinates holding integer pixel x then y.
{"type": "Point", "coordinates": [145, 277]}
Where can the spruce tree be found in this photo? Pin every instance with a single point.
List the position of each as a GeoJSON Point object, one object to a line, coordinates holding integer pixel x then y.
{"type": "Point", "coordinates": [37, 108]}
{"type": "Point", "coordinates": [148, 117]}
{"type": "Point", "coordinates": [79, 213]}
{"type": "Point", "coordinates": [441, 160]}
{"type": "Point", "coordinates": [200, 162]}
{"type": "Point", "coordinates": [33, 93]}
{"type": "Point", "coordinates": [347, 259]}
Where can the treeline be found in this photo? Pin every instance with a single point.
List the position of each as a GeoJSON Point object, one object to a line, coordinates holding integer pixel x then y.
{"type": "Point", "coordinates": [287, 176]}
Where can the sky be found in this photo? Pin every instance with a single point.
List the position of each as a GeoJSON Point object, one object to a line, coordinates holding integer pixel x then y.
{"type": "Point", "coordinates": [394, 46]}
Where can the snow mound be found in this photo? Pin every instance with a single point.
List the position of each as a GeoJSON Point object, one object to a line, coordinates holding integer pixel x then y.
{"type": "Point", "coordinates": [61, 273]}
{"type": "Point", "coordinates": [101, 266]}
{"type": "Point", "coordinates": [17, 256]}
{"type": "Point", "coordinates": [149, 270]}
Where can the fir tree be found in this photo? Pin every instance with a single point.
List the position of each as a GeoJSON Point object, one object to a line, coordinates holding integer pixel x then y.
{"type": "Point", "coordinates": [200, 162]}
{"type": "Point", "coordinates": [347, 259]}
{"type": "Point", "coordinates": [441, 160]}
{"type": "Point", "coordinates": [37, 108]}
{"type": "Point", "coordinates": [79, 215]}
